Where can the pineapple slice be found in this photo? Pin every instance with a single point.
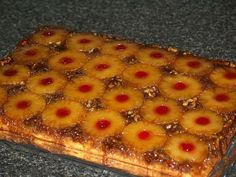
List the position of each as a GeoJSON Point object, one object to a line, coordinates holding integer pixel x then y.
{"type": "Point", "coordinates": [62, 114]}
{"type": "Point", "coordinates": [104, 66]}
{"type": "Point", "coordinates": [31, 54]}
{"type": "Point", "coordinates": [84, 42]}
{"type": "Point", "coordinates": [13, 74]}
{"type": "Point", "coordinates": [202, 122]}
{"type": "Point", "coordinates": [67, 60]}
{"type": "Point", "coordinates": [219, 99]}
{"type": "Point", "coordinates": [193, 65]}
{"type": "Point", "coordinates": [49, 36]}
{"type": "Point", "coordinates": [84, 88]}
{"type": "Point", "coordinates": [155, 56]}
{"type": "Point", "coordinates": [3, 96]}
{"type": "Point", "coordinates": [186, 147]}
{"type": "Point", "coordinates": [103, 123]}
{"type": "Point", "coordinates": [144, 136]}
{"type": "Point", "coordinates": [180, 87]}
{"type": "Point", "coordinates": [161, 111]}
{"type": "Point", "coordinates": [123, 99]}
{"type": "Point", "coordinates": [24, 106]}
{"type": "Point", "coordinates": [120, 49]}
{"type": "Point", "coordinates": [224, 77]}
{"type": "Point", "coordinates": [46, 82]}
{"type": "Point", "coordinates": [142, 75]}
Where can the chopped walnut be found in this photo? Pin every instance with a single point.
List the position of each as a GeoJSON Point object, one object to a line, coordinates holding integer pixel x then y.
{"type": "Point", "coordinates": [93, 105]}
{"type": "Point", "coordinates": [131, 116]}
{"type": "Point", "coordinates": [130, 60]}
{"type": "Point", "coordinates": [173, 128]}
{"type": "Point", "coordinates": [168, 70]}
{"type": "Point", "coordinates": [114, 82]}
{"type": "Point", "coordinates": [74, 74]}
{"type": "Point", "coordinates": [150, 92]}
{"type": "Point", "coordinates": [50, 98]}
{"type": "Point", "coordinates": [38, 67]}
{"type": "Point", "coordinates": [6, 61]}
{"type": "Point", "coordinates": [14, 89]}
{"type": "Point", "coordinates": [191, 103]}
{"type": "Point", "coordinates": [75, 133]}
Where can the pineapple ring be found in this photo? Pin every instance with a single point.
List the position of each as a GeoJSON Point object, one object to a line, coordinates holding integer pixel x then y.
{"type": "Point", "coordinates": [120, 49]}
{"type": "Point", "coordinates": [104, 66]}
{"type": "Point", "coordinates": [68, 60]}
{"type": "Point", "coordinates": [144, 136]}
{"type": "Point", "coordinates": [161, 111]}
{"type": "Point", "coordinates": [202, 122]}
{"type": "Point", "coordinates": [142, 75]}
{"type": "Point", "coordinates": [123, 99]}
{"type": "Point", "coordinates": [62, 114]}
{"type": "Point", "coordinates": [3, 96]}
{"type": "Point", "coordinates": [31, 54]}
{"type": "Point", "coordinates": [84, 88]}
{"type": "Point", "coordinates": [218, 99]}
{"type": "Point", "coordinates": [180, 87]}
{"type": "Point", "coordinates": [193, 65]}
{"type": "Point", "coordinates": [224, 78]}
{"type": "Point", "coordinates": [155, 56]}
{"type": "Point", "coordinates": [47, 82]}
{"type": "Point", "coordinates": [50, 36]}
{"type": "Point", "coordinates": [103, 123]}
{"type": "Point", "coordinates": [84, 42]}
{"type": "Point", "coordinates": [186, 147]}
{"type": "Point", "coordinates": [24, 106]}
{"type": "Point", "coordinates": [13, 74]}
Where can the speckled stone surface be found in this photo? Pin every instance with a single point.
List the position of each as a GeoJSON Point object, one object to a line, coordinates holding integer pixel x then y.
{"type": "Point", "coordinates": [205, 28]}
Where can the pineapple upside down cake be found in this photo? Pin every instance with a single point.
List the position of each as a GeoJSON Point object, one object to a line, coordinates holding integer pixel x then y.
{"type": "Point", "coordinates": [143, 109]}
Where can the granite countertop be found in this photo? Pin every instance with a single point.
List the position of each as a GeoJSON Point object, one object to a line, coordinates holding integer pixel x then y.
{"type": "Point", "coordinates": [205, 28]}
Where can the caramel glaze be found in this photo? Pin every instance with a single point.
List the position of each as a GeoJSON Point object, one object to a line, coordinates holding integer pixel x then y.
{"type": "Point", "coordinates": [217, 144]}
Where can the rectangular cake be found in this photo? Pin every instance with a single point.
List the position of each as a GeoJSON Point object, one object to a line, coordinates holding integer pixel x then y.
{"type": "Point", "coordinates": [143, 109]}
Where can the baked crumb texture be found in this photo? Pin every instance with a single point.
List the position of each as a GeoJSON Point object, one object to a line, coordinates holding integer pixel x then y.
{"type": "Point", "coordinates": [143, 109]}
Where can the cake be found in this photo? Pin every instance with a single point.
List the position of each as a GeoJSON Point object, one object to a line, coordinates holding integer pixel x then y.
{"type": "Point", "coordinates": [144, 109]}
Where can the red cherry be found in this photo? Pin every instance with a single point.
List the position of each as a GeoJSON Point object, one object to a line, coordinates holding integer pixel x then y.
{"type": "Point", "coordinates": [194, 64]}
{"type": "Point", "coordinates": [103, 124]}
{"type": "Point", "coordinates": [202, 120]}
{"type": "Point", "coordinates": [180, 86]}
{"type": "Point", "coordinates": [66, 60]}
{"type": "Point", "coordinates": [141, 74]}
{"type": "Point", "coordinates": [31, 52]}
{"type": "Point", "coordinates": [63, 112]}
{"type": "Point", "coordinates": [143, 135]}
{"type": "Point", "coordinates": [10, 72]}
{"type": "Point", "coordinates": [187, 147]}
{"type": "Point", "coordinates": [48, 33]}
{"type": "Point", "coordinates": [46, 81]}
{"type": "Point", "coordinates": [156, 55]}
{"type": "Point", "coordinates": [23, 104]}
{"type": "Point", "coordinates": [84, 41]}
{"type": "Point", "coordinates": [122, 98]}
{"type": "Point", "coordinates": [85, 88]}
{"type": "Point", "coordinates": [102, 66]}
{"type": "Point", "coordinates": [230, 75]}
{"type": "Point", "coordinates": [162, 110]}
{"type": "Point", "coordinates": [222, 97]}
{"type": "Point", "coordinates": [120, 47]}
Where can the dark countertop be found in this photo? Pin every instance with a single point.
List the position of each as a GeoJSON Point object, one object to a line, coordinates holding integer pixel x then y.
{"type": "Point", "coordinates": [205, 28]}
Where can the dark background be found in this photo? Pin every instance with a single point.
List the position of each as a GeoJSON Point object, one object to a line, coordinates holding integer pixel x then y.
{"type": "Point", "coordinates": [205, 28]}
